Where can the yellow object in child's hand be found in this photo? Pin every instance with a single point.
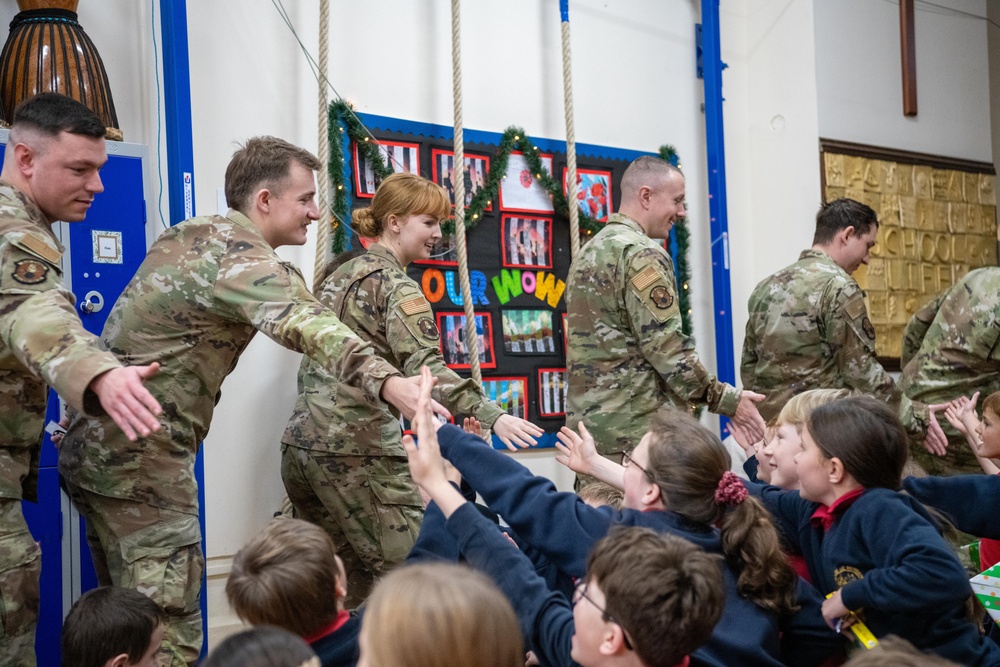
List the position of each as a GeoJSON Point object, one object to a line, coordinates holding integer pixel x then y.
{"type": "Point", "coordinates": [863, 637]}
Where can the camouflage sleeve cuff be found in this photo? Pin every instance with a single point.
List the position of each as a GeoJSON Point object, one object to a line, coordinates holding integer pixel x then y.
{"type": "Point", "coordinates": [729, 398]}
{"type": "Point", "coordinates": [374, 373]}
{"type": "Point", "coordinates": [914, 415]}
{"type": "Point", "coordinates": [488, 413]}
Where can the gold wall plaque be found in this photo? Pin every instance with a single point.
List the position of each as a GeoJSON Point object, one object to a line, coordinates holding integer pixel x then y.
{"type": "Point", "coordinates": [937, 221]}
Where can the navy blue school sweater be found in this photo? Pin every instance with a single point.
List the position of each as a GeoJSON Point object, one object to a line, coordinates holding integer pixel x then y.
{"type": "Point", "coordinates": [891, 564]}
{"type": "Point", "coordinates": [340, 647]}
{"type": "Point", "coordinates": [564, 529]}
{"type": "Point", "coordinates": [545, 615]}
{"type": "Point", "coordinates": [971, 502]}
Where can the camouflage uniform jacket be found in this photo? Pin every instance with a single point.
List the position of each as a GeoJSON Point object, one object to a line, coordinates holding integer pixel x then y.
{"type": "Point", "coordinates": [205, 288]}
{"type": "Point", "coordinates": [952, 347]}
{"type": "Point", "coordinates": [808, 328]}
{"type": "Point", "coordinates": [42, 341]}
{"type": "Point", "coordinates": [627, 354]}
{"type": "Point", "coordinates": [373, 295]}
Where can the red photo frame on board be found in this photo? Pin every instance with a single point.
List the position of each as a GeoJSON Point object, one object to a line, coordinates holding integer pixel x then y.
{"type": "Point", "coordinates": [526, 242]}
{"type": "Point", "coordinates": [520, 190]}
{"type": "Point", "coordinates": [509, 392]}
{"type": "Point", "coordinates": [402, 156]}
{"type": "Point", "coordinates": [551, 392]}
{"type": "Point", "coordinates": [593, 192]}
{"type": "Point", "coordinates": [451, 326]}
{"type": "Point", "coordinates": [477, 173]}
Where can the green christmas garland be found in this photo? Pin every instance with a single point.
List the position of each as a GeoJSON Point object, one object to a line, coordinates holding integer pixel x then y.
{"type": "Point", "coordinates": [342, 119]}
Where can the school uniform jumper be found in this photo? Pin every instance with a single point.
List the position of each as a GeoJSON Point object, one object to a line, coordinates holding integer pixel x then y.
{"type": "Point", "coordinates": [564, 529]}
{"type": "Point", "coordinates": [891, 564]}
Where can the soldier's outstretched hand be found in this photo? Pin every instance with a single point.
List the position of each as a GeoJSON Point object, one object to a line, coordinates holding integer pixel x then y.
{"type": "Point", "coordinates": [516, 432]}
{"type": "Point", "coordinates": [747, 418]}
{"type": "Point", "coordinates": [935, 441]}
{"type": "Point", "coordinates": [404, 394]}
{"type": "Point", "coordinates": [127, 401]}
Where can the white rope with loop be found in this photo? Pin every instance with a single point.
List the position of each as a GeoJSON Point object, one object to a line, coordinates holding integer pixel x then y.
{"type": "Point", "coordinates": [458, 183]}
{"type": "Point", "coordinates": [571, 186]}
{"type": "Point", "coordinates": [323, 154]}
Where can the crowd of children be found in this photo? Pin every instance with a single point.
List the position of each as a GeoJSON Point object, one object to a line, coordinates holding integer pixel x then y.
{"type": "Point", "coordinates": [671, 559]}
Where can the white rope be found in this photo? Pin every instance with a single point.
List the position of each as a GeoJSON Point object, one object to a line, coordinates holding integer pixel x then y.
{"type": "Point", "coordinates": [458, 185]}
{"type": "Point", "coordinates": [574, 209]}
{"type": "Point", "coordinates": [323, 177]}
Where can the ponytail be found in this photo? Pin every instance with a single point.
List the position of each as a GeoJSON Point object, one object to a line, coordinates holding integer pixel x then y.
{"type": "Point", "coordinates": [691, 467]}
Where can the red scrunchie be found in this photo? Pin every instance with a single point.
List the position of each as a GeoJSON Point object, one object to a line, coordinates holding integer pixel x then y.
{"type": "Point", "coordinates": [730, 491]}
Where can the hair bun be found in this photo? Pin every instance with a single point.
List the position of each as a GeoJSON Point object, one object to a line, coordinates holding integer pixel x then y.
{"type": "Point", "coordinates": [364, 223]}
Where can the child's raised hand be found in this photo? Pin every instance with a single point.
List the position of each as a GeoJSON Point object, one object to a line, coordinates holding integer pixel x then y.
{"type": "Point", "coordinates": [472, 426]}
{"type": "Point", "coordinates": [575, 451]}
{"type": "Point", "coordinates": [426, 464]}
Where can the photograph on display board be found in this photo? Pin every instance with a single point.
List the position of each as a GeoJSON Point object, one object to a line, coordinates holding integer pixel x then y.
{"type": "Point", "coordinates": [593, 192]}
{"type": "Point", "coordinates": [526, 242]}
{"type": "Point", "coordinates": [551, 392]}
{"type": "Point", "coordinates": [520, 189]}
{"type": "Point", "coordinates": [477, 169]}
{"type": "Point", "coordinates": [401, 156]}
{"type": "Point", "coordinates": [453, 347]}
{"type": "Point", "coordinates": [510, 393]}
{"type": "Point", "coordinates": [528, 332]}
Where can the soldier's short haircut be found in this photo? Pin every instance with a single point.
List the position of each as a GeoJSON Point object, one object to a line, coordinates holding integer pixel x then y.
{"type": "Point", "coordinates": [666, 593]}
{"type": "Point", "coordinates": [645, 170]}
{"type": "Point", "coordinates": [286, 577]}
{"type": "Point", "coordinates": [992, 403]}
{"type": "Point", "coordinates": [51, 113]}
{"type": "Point", "coordinates": [840, 214]}
{"type": "Point", "coordinates": [107, 622]}
{"type": "Point", "coordinates": [262, 162]}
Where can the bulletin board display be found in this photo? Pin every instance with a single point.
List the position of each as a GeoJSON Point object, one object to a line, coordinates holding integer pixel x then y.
{"type": "Point", "coordinates": [937, 221]}
{"type": "Point", "coordinates": [519, 260]}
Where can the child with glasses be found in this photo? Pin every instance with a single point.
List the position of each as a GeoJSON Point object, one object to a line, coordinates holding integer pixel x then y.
{"type": "Point", "coordinates": [646, 599]}
{"type": "Point", "coordinates": [682, 466]}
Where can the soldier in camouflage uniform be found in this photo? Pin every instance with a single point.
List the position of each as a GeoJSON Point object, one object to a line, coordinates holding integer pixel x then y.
{"type": "Point", "coordinates": [808, 326]}
{"type": "Point", "coordinates": [50, 173]}
{"type": "Point", "coordinates": [343, 461]}
{"type": "Point", "coordinates": [627, 353]}
{"type": "Point", "coordinates": [951, 347]}
{"type": "Point", "coordinates": [205, 288]}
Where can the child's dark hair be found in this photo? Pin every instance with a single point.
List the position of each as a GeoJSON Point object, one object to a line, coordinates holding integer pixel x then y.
{"type": "Point", "coordinates": [867, 437]}
{"type": "Point", "coordinates": [689, 464]}
{"type": "Point", "coordinates": [666, 593]}
{"type": "Point", "coordinates": [107, 622]}
{"type": "Point", "coordinates": [262, 646]}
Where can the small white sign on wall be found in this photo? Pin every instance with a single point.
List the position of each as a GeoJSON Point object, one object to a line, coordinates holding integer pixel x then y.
{"type": "Point", "coordinates": [107, 247]}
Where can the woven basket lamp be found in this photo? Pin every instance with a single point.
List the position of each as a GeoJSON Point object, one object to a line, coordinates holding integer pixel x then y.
{"type": "Point", "coordinates": [48, 51]}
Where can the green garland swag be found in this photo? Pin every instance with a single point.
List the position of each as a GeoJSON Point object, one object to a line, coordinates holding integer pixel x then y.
{"type": "Point", "coordinates": [343, 120]}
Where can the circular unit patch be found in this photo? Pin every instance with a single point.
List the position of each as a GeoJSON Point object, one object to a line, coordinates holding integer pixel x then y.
{"type": "Point", "coordinates": [661, 297]}
{"type": "Point", "coordinates": [428, 328]}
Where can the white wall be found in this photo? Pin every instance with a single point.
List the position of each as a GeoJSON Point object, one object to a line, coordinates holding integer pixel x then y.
{"type": "Point", "coordinates": [859, 77]}
{"type": "Point", "coordinates": [772, 163]}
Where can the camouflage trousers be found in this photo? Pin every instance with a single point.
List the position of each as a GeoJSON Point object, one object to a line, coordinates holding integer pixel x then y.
{"type": "Point", "coordinates": [369, 505]}
{"type": "Point", "coordinates": [20, 567]}
{"type": "Point", "coordinates": [155, 551]}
